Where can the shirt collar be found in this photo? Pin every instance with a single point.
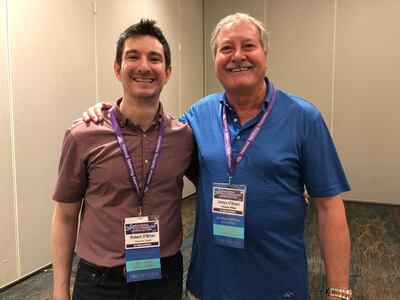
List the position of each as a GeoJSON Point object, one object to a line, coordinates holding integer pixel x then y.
{"type": "Point", "coordinates": [122, 119]}
{"type": "Point", "coordinates": [224, 100]}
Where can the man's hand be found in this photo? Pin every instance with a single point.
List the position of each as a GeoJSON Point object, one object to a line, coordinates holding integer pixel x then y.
{"type": "Point", "coordinates": [306, 196]}
{"type": "Point", "coordinates": [95, 113]}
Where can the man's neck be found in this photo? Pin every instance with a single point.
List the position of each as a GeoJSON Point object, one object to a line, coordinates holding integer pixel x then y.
{"type": "Point", "coordinates": [142, 112]}
{"type": "Point", "coordinates": [247, 103]}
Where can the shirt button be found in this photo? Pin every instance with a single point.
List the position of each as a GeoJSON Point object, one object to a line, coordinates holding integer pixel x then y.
{"type": "Point", "coordinates": [146, 161]}
{"type": "Point", "coordinates": [144, 135]}
{"type": "Point", "coordinates": [238, 137]}
{"type": "Point", "coordinates": [235, 120]}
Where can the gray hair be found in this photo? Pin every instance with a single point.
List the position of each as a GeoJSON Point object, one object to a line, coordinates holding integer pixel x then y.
{"type": "Point", "coordinates": [239, 18]}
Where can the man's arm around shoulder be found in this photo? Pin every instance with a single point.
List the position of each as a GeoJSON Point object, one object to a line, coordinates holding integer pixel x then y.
{"type": "Point", "coordinates": [63, 237]}
{"type": "Point", "coordinates": [334, 240]}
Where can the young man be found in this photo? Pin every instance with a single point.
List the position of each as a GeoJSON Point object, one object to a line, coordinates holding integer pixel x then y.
{"type": "Point", "coordinates": [127, 175]}
{"type": "Point", "coordinates": [259, 148]}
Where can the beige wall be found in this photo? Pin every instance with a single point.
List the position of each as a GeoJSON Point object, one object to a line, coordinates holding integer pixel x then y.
{"type": "Point", "coordinates": [301, 54]}
{"type": "Point", "coordinates": [366, 122]}
{"type": "Point", "coordinates": [8, 258]}
{"type": "Point", "coordinates": [56, 59]}
{"type": "Point", "coordinates": [48, 74]}
{"type": "Point", "coordinates": [343, 57]}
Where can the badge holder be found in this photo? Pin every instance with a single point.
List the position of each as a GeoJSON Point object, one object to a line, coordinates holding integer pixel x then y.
{"type": "Point", "coordinates": [228, 209]}
{"type": "Point", "coordinates": [142, 248]}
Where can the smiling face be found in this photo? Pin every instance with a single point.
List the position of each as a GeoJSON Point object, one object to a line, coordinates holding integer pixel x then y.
{"type": "Point", "coordinates": [240, 60]}
{"type": "Point", "coordinates": [142, 71]}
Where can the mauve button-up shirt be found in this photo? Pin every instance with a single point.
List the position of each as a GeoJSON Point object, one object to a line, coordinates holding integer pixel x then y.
{"type": "Point", "coordinates": [92, 170]}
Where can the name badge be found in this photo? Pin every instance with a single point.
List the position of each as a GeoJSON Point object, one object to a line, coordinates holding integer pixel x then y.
{"type": "Point", "coordinates": [142, 248]}
{"type": "Point", "coordinates": [228, 209]}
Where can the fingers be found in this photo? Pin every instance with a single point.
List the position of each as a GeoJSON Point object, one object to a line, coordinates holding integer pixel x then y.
{"type": "Point", "coordinates": [306, 197]}
{"type": "Point", "coordinates": [98, 110]}
{"type": "Point", "coordinates": [86, 117]}
{"type": "Point", "coordinates": [105, 105]}
{"type": "Point", "coordinates": [95, 113]}
{"type": "Point", "coordinates": [90, 116]}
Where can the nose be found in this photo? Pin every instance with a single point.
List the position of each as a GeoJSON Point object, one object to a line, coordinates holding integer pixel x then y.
{"type": "Point", "coordinates": [144, 65]}
{"type": "Point", "coordinates": [238, 55]}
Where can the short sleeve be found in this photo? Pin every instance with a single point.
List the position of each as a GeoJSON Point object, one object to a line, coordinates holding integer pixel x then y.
{"type": "Point", "coordinates": [321, 168]}
{"type": "Point", "coordinates": [72, 176]}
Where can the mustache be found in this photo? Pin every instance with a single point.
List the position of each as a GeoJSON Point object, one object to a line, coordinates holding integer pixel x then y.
{"type": "Point", "coordinates": [239, 65]}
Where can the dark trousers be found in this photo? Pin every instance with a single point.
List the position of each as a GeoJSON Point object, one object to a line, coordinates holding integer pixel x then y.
{"type": "Point", "coordinates": [97, 283]}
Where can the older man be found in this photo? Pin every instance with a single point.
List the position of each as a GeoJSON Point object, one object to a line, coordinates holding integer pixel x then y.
{"type": "Point", "coordinates": [257, 148]}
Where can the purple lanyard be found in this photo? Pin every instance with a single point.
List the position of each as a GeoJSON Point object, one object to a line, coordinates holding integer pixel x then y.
{"type": "Point", "coordinates": [128, 160]}
{"type": "Point", "coordinates": [227, 137]}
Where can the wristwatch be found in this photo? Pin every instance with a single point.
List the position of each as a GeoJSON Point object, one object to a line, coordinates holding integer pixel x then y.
{"type": "Point", "coordinates": [339, 293]}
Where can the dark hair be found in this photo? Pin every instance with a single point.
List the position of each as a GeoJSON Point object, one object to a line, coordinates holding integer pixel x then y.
{"type": "Point", "coordinates": [144, 27]}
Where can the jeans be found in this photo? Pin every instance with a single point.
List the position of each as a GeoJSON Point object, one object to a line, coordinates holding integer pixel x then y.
{"type": "Point", "coordinates": [96, 283]}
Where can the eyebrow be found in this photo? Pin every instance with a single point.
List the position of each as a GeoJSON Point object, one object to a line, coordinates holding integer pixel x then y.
{"type": "Point", "coordinates": [156, 53]}
{"type": "Point", "coordinates": [134, 51]}
{"type": "Point", "coordinates": [229, 41]}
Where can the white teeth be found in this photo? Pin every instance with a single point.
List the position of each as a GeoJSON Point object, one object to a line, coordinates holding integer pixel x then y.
{"type": "Point", "coordinates": [145, 80]}
{"type": "Point", "coordinates": [238, 69]}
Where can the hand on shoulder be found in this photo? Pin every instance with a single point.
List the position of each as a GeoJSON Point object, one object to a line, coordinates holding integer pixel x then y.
{"type": "Point", "coordinates": [95, 113]}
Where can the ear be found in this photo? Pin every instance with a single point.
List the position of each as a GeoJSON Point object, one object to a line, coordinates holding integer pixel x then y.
{"type": "Point", "coordinates": [117, 70]}
{"type": "Point", "coordinates": [167, 74]}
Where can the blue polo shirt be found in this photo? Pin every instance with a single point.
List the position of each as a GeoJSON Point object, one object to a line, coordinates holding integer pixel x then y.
{"type": "Point", "coordinates": [293, 149]}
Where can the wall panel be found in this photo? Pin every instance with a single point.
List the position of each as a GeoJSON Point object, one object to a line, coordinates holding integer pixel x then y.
{"type": "Point", "coordinates": [8, 262]}
{"type": "Point", "coordinates": [367, 97]}
{"type": "Point", "coordinates": [52, 59]}
{"type": "Point", "coordinates": [191, 60]}
{"type": "Point", "coordinates": [166, 13]}
{"type": "Point", "coordinates": [301, 49]}
{"type": "Point", "coordinates": [192, 53]}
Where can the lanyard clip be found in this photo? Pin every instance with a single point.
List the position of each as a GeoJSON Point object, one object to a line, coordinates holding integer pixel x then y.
{"type": "Point", "coordinates": [229, 179]}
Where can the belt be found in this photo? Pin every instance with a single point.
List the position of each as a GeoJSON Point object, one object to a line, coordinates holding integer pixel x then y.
{"type": "Point", "coordinates": [118, 271]}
